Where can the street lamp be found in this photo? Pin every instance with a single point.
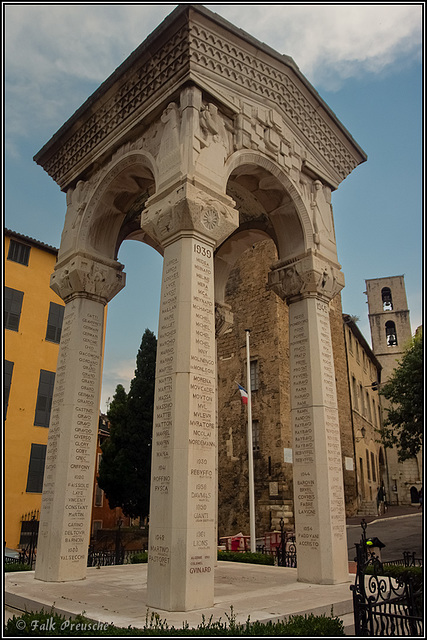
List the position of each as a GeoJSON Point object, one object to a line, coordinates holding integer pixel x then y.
{"type": "Point", "coordinates": [363, 432]}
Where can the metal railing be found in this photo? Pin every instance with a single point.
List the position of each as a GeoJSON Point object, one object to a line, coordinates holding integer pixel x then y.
{"type": "Point", "coordinates": [386, 605]}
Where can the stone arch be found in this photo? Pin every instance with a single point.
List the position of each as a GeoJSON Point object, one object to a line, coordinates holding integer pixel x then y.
{"type": "Point", "coordinates": [414, 495]}
{"type": "Point", "coordinates": [293, 209]}
{"type": "Point", "coordinates": [114, 208]}
{"type": "Point", "coordinates": [269, 207]}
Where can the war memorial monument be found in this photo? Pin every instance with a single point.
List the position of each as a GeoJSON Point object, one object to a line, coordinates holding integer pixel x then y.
{"type": "Point", "coordinates": [203, 142]}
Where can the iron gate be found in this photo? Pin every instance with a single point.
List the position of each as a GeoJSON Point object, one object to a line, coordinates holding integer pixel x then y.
{"type": "Point", "coordinates": [384, 605]}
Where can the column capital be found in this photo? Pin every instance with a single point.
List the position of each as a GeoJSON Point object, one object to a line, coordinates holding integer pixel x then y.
{"type": "Point", "coordinates": [88, 276]}
{"type": "Point", "coordinates": [190, 208]}
{"type": "Point", "coordinates": [310, 275]}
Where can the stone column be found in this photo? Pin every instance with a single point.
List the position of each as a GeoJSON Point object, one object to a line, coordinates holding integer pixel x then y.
{"type": "Point", "coordinates": [86, 286]}
{"type": "Point", "coordinates": [308, 285]}
{"type": "Point", "coordinates": [182, 538]}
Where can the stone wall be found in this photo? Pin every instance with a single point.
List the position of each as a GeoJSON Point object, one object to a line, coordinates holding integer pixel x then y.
{"type": "Point", "coordinates": [266, 315]}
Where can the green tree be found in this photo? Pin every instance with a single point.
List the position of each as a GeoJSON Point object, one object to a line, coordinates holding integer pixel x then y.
{"type": "Point", "coordinates": [125, 467]}
{"type": "Point", "coordinates": [403, 427]}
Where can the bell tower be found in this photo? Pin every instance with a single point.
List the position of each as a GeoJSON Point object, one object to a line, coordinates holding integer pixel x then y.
{"type": "Point", "coordinates": [391, 333]}
{"type": "Point", "coordinates": [389, 320]}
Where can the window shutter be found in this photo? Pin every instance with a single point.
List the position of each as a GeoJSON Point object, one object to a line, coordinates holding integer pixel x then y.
{"type": "Point", "coordinates": [19, 252]}
{"type": "Point", "coordinates": [36, 468]}
{"type": "Point", "coordinates": [54, 322]}
{"type": "Point", "coordinates": [13, 305]}
{"type": "Point", "coordinates": [44, 398]}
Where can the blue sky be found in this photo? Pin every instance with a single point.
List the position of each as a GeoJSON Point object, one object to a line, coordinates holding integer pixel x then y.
{"type": "Point", "coordinates": [365, 60]}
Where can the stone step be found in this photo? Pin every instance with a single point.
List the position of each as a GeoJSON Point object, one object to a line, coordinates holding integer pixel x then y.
{"type": "Point", "coordinates": [348, 621]}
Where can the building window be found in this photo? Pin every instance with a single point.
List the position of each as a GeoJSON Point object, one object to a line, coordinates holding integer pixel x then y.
{"type": "Point", "coordinates": [374, 413]}
{"type": "Point", "coordinates": [54, 322]}
{"type": "Point", "coordinates": [368, 465]}
{"type": "Point", "coordinates": [13, 305]}
{"type": "Point", "coordinates": [362, 400]}
{"type": "Point", "coordinates": [357, 352]}
{"type": "Point", "coordinates": [374, 475]}
{"type": "Point", "coordinates": [354, 389]}
{"type": "Point", "coordinates": [387, 300]}
{"type": "Point", "coordinates": [368, 407]}
{"type": "Point", "coordinates": [36, 468]}
{"type": "Point", "coordinates": [254, 375]}
{"type": "Point", "coordinates": [362, 477]}
{"type": "Point", "coordinates": [350, 341]}
{"type": "Point", "coordinates": [98, 496]}
{"type": "Point", "coordinates": [96, 525]}
{"type": "Point", "coordinates": [19, 252]}
{"type": "Point", "coordinates": [390, 332]}
{"type": "Point", "coordinates": [255, 435]}
{"type": "Point", "coordinates": [8, 370]}
{"type": "Point", "coordinates": [44, 398]}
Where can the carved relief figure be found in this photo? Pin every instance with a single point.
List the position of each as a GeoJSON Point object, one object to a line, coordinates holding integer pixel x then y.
{"type": "Point", "coordinates": [77, 200]}
{"type": "Point", "coordinates": [169, 152]}
{"type": "Point", "coordinates": [212, 125]}
{"type": "Point", "coordinates": [322, 203]}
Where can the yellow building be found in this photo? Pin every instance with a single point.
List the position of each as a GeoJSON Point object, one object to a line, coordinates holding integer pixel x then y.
{"type": "Point", "coordinates": [33, 321]}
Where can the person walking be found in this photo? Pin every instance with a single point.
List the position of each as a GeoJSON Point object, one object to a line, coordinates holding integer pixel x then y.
{"type": "Point", "coordinates": [380, 500]}
{"type": "Point", "coordinates": [420, 498]}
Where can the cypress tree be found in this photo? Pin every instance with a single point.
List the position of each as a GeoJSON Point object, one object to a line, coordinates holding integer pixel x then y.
{"type": "Point", "coordinates": [125, 468]}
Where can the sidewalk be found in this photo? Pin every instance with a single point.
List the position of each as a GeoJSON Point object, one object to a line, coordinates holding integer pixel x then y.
{"type": "Point", "coordinates": [393, 511]}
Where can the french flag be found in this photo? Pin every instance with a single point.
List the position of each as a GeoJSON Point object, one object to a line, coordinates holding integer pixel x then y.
{"type": "Point", "coordinates": [243, 394]}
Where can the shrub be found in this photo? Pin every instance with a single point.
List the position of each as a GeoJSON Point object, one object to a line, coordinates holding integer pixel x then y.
{"type": "Point", "coordinates": [17, 566]}
{"type": "Point", "coordinates": [50, 624]}
{"type": "Point", "coordinates": [246, 556]}
{"type": "Point", "coordinates": [139, 558]}
{"type": "Point", "coordinates": [399, 571]}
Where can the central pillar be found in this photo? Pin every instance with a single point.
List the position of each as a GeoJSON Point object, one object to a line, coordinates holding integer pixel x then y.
{"type": "Point", "coordinates": [320, 526]}
{"type": "Point", "coordinates": [182, 535]}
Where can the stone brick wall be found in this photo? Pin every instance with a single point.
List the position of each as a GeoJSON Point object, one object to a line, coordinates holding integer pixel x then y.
{"type": "Point", "coordinates": [266, 315]}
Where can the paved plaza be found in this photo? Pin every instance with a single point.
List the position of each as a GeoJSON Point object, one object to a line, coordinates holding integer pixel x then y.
{"type": "Point", "coordinates": [118, 595]}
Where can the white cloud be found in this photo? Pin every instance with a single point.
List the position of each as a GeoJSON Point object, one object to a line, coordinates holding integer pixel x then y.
{"type": "Point", "coordinates": [58, 54]}
{"type": "Point", "coordinates": [333, 41]}
{"type": "Point", "coordinates": [116, 372]}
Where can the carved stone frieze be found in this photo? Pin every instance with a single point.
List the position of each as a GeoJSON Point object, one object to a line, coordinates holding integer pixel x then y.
{"type": "Point", "coordinates": [311, 276]}
{"type": "Point", "coordinates": [253, 73]}
{"type": "Point", "coordinates": [196, 47]}
{"type": "Point", "coordinates": [87, 277]}
{"type": "Point", "coordinates": [137, 87]}
{"type": "Point", "coordinates": [189, 209]}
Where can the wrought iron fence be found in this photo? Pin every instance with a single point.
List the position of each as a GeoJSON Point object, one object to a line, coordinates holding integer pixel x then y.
{"type": "Point", "coordinates": [386, 605]}
{"type": "Point", "coordinates": [27, 540]}
{"type": "Point", "coordinates": [109, 558]}
{"type": "Point", "coordinates": [285, 553]}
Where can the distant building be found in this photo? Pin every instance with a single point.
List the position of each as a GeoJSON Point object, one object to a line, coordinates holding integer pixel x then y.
{"type": "Point", "coordinates": [364, 377]}
{"type": "Point", "coordinates": [391, 333]}
{"type": "Point", "coordinates": [102, 516]}
{"type": "Point", "coordinates": [33, 322]}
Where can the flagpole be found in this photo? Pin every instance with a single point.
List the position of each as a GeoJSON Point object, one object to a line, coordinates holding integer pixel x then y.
{"type": "Point", "coordinates": [250, 449]}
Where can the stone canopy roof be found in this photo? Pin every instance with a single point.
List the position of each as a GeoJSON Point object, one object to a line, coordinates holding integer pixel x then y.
{"type": "Point", "coordinates": [194, 45]}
